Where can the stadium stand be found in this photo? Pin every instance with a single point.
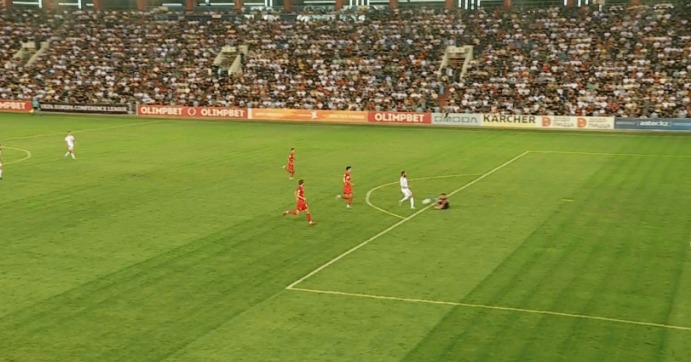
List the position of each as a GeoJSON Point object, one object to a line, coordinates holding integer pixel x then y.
{"type": "Point", "coordinates": [589, 61]}
{"type": "Point", "coordinates": [21, 33]}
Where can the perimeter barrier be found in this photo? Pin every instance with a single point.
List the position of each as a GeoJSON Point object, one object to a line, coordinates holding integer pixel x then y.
{"type": "Point", "coordinates": [467, 120]}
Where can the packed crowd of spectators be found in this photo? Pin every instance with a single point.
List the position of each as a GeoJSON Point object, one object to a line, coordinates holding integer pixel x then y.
{"type": "Point", "coordinates": [612, 61]}
{"type": "Point", "coordinates": [21, 27]}
{"type": "Point", "coordinates": [568, 61]}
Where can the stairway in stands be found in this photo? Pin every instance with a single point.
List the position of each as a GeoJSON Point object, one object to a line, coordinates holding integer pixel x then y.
{"type": "Point", "coordinates": [458, 59]}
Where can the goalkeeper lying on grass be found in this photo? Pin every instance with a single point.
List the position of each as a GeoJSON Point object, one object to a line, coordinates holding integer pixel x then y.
{"type": "Point", "coordinates": [441, 203]}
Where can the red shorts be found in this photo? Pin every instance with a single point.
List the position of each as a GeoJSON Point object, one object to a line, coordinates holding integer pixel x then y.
{"type": "Point", "coordinates": [290, 167]}
{"type": "Point", "coordinates": [347, 190]}
{"type": "Point", "coordinates": [302, 206]}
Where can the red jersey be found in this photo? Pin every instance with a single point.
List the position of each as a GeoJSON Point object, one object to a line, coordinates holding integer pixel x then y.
{"type": "Point", "coordinates": [290, 167]}
{"type": "Point", "coordinates": [301, 204]}
{"type": "Point", "coordinates": [346, 183]}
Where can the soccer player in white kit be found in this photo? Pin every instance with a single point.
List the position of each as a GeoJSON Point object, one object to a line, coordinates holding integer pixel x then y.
{"type": "Point", "coordinates": [69, 140]}
{"type": "Point", "coordinates": [407, 194]}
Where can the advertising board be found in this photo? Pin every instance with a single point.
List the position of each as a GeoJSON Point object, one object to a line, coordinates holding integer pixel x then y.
{"type": "Point", "coordinates": [509, 121]}
{"type": "Point", "coordinates": [457, 119]}
{"type": "Point", "coordinates": [653, 124]}
{"type": "Point", "coordinates": [306, 115]}
{"type": "Point", "coordinates": [400, 117]}
{"type": "Point", "coordinates": [14, 106]}
{"type": "Point", "coordinates": [191, 112]}
{"type": "Point", "coordinates": [576, 122]}
{"type": "Point", "coordinates": [85, 108]}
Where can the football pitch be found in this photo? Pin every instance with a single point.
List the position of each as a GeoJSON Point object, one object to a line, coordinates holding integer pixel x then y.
{"type": "Point", "coordinates": [164, 241]}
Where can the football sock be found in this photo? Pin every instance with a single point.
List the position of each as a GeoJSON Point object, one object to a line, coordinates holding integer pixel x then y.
{"type": "Point", "coordinates": [309, 217]}
{"type": "Point", "coordinates": [74, 158]}
{"type": "Point", "coordinates": [412, 202]}
{"type": "Point", "coordinates": [0, 173]}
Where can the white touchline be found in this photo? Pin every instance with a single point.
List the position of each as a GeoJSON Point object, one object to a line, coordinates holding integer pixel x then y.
{"type": "Point", "coordinates": [495, 307]}
{"type": "Point", "coordinates": [81, 130]}
{"type": "Point", "coordinates": [609, 154]}
{"type": "Point", "coordinates": [565, 132]}
{"type": "Point", "coordinates": [356, 247]}
{"type": "Point", "coordinates": [369, 193]}
{"type": "Point", "coordinates": [28, 154]}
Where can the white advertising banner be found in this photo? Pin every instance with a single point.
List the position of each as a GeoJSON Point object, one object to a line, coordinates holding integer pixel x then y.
{"type": "Point", "coordinates": [457, 119]}
{"type": "Point", "coordinates": [573, 122]}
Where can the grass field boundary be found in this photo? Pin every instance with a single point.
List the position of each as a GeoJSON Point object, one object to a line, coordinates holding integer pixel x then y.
{"type": "Point", "coordinates": [369, 193]}
{"type": "Point", "coordinates": [609, 154]}
{"type": "Point", "coordinates": [28, 155]}
{"type": "Point", "coordinates": [403, 221]}
{"type": "Point", "coordinates": [495, 307]}
{"type": "Point", "coordinates": [80, 130]}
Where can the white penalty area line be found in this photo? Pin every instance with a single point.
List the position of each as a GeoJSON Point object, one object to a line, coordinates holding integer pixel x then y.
{"type": "Point", "coordinates": [28, 154]}
{"type": "Point", "coordinates": [609, 154]}
{"type": "Point", "coordinates": [369, 193]}
{"type": "Point", "coordinates": [403, 221]}
{"type": "Point", "coordinates": [496, 307]}
{"type": "Point", "coordinates": [81, 130]}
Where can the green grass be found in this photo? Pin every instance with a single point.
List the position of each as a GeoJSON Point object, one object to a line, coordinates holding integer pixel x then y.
{"type": "Point", "coordinates": [164, 241]}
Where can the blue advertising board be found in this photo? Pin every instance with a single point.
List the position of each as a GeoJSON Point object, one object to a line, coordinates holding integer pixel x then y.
{"type": "Point", "coordinates": [653, 124]}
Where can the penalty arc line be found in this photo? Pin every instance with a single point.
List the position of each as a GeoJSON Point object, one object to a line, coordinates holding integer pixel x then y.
{"type": "Point", "coordinates": [369, 193]}
{"type": "Point", "coordinates": [403, 221]}
{"type": "Point", "coordinates": [28, 155]}
{"type": "Point", "coordinates": [496, 307]}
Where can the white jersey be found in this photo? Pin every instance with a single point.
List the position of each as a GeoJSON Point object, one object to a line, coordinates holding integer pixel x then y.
{"type": "Point", "coordinates": [70, 140]}
{"type": "Point", "coordinates": [404, 182]}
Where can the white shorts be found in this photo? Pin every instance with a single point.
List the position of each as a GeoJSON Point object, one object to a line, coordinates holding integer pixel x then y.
{"type": "Point", "coordinates": [70, 147]}
{"type": "Point", "coordinates": [407, 192]}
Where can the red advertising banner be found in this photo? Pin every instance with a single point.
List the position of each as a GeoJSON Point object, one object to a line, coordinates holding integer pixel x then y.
{"type": "Point", "coordinates": [15, 106]}
{"type": "Point", "coordinates": [191, 112]}
{"type": "Point", "coordinates": [400, 117]}
{"type": "Point", "coordinates": [306, 115]}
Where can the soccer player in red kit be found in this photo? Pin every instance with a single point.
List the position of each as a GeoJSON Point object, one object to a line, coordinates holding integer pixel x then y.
{"type": "Point", "coordinates": [290, 167]}
{"type": "Point", "coordinates": [347, 188]}
{"type": "Point", "coordinates": [301, 203]}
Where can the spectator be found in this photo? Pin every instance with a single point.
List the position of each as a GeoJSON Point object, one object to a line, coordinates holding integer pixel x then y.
{"type": "Point", "coordinates": [610, 61]}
